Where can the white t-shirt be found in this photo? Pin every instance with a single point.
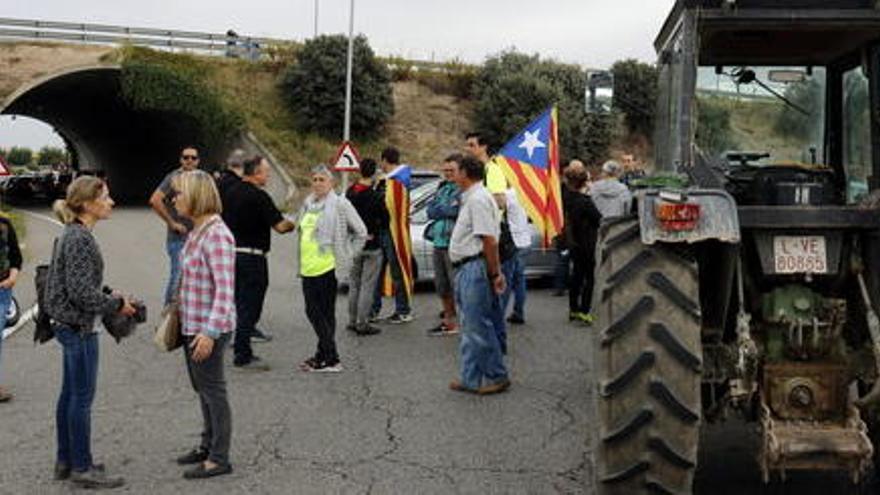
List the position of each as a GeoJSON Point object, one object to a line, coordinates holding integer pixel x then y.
{"type": "Point", "coordinates": [518, 221]}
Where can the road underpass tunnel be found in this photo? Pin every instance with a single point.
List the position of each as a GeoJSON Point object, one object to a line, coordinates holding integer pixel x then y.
{"type": "Point", "coordinates": [133, 148]}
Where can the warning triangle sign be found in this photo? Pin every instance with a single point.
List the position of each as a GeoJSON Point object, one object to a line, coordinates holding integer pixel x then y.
{"type": "Point", "coordinates": [4, 168]}
{"type": "Point", "coordinates": [347, 159]}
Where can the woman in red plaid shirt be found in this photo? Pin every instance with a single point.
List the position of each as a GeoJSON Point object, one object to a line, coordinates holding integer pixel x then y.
{"type": "Point", "coordinates": [207, 311]}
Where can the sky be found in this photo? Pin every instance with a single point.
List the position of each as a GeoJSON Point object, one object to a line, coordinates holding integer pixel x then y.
{"type": "Point", "coordinates": [591, 33]}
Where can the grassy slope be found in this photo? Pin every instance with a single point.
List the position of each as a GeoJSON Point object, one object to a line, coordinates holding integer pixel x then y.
{"type": "Point", "coordinates": [425, 127]}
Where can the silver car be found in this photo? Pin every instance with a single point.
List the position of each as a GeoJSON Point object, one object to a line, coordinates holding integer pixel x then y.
{"type": "Point", "coordinates": [539, 261]}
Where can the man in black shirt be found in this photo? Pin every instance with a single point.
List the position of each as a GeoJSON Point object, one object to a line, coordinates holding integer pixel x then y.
{"type": "Point", "coordinates": [250, 214]}
{"type": "Point", "coordinates": [231, 175]}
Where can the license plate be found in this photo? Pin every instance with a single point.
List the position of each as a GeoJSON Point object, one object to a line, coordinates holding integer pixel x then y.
{"type": "Point", "coordinates": [800, 254]}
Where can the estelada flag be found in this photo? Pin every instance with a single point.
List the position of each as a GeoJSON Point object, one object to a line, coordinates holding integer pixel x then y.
{"type": "Point", "coordinates": [397, 202]}
{"type": "Point", "coordinates": [530, 162]}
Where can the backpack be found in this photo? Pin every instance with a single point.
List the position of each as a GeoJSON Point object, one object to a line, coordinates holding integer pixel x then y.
{"type": "Point", "coordinates": [44, 331]}
{"type": "Point", "coordinates": [506, 246]}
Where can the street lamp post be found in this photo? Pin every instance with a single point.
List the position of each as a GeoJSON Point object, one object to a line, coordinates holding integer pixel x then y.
{"type": "Point", "coordinates": [346, 133]}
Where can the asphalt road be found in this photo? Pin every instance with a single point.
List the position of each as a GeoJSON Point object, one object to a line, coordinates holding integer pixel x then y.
{"type": "Point", "coordinates": [388, 424]}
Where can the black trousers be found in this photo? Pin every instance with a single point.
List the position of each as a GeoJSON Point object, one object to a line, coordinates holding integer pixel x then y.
{"type": "Point", "coordinates": [251, 282]}
{"type": "Point", "coordinates": [580, 284]}
{"type": "Point", "coordinates": [320, 296]}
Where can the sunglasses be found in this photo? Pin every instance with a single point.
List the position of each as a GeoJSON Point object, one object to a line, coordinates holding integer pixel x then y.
{"type": "Point", "coordinates": [189, 157]}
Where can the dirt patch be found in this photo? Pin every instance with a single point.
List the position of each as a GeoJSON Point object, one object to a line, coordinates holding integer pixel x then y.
{"type": "Point", "coordinates": [426, 127]}
{"type": "Point", "coordinates": [24, 62]}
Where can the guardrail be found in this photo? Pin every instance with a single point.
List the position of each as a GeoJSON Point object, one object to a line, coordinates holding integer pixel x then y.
{"type": "Point", "coordinates": [231, 45]}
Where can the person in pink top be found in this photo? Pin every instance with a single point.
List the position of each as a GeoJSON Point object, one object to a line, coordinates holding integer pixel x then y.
{"type": "Point", "coordinates": [207, 313]}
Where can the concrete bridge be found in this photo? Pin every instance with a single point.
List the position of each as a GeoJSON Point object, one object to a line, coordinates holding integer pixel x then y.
{"type": "Point", "coordinates": [72, 89]}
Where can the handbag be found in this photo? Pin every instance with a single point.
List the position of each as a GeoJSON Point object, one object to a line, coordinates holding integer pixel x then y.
{"type": "Point", "coordinates": [168, 334]}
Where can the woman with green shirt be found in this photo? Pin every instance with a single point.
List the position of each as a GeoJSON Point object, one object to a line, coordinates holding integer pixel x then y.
{"type": "Point", "coordinates": [330, 234]}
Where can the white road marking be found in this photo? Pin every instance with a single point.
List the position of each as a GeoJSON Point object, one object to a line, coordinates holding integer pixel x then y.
{"type": "Point", "coordinates": [32, 312]}
{"type": "Point", "coordinates": [24, 320]}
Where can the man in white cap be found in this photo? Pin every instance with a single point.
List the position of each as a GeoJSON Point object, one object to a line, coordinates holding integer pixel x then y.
{"type": "Point", "coordinates": [611, 197]}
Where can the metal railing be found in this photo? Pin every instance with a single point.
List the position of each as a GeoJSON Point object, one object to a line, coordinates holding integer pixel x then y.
{"type": "Point", "coordinates": [108, 34]}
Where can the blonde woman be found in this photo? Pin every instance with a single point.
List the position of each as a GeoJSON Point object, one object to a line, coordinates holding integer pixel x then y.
{"type": "Point", "coordinates": [75, 297]}
{"type": "Point", "coordinates": [207, 311]}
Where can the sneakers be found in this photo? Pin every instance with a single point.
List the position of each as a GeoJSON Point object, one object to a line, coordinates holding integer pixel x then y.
{"type": "Point", "coordinates": [255, 364]}
{"type": "Point", "coordinates": [398, 318]}
{"type": "Point", "coordinates": [458, 387]}
{"type": "Point", "coordinates": [516, 320]}
{"type": "Point", "coordinates": [367, 330]}
{"type": "Point", "coordinates": [374, 318]}
{"type": "Point", "coordinates": [260, 336]}
{"type": "Point", "coordinates": [443, 330]}
{"type": "Point", "coordinates": [312, 365]}
{"type": "Point", "coordinates": [5, 396]}
{"type": "Point", "coordinates": [194, 456]}
{"type": "Point", "coordinates": [95, 479]}
{"type": "Point", "coordinates": [586, 318]}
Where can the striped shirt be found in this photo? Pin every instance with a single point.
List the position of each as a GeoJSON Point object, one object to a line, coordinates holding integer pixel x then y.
{"type": "Point", "coordinates": [207, 287]}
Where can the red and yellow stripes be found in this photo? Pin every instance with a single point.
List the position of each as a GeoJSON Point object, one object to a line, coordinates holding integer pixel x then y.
{"type": "Point", "coordinates": [539, 189]}
{"type": "Point", "coordinates": [397, 202]}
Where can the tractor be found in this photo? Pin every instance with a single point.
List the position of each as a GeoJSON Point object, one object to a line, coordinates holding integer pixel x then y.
{"type": "Point", "coordinates": [746, 279]}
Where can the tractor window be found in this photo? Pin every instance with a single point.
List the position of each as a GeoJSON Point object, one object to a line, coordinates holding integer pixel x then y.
{"type": "Point", "coordinates": [856, 134]}
{"type": "Point", "coordinates": [748, 109]}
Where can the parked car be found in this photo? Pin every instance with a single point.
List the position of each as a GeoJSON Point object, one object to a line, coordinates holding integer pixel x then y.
{"type": "Point", "coordinates": [539, 261]}
{"type": "Point", "coordinates": [422, 177]}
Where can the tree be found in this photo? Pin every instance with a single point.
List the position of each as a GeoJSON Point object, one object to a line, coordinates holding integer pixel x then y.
{"type": "Point", "coordinates": [635, 94]}
{"type": "Point", "coordinates": [791, 122]}
{"type": "Point", "coordinates": [50, 155]}
{"type": "Point", "coordinates": [512, 88]}
{"type": "Point", "coordinates": [314, 88]}
{"type": "Point", "coordinates": [19, 156]}
{"type": "Point", "coordinates": [714, 133]}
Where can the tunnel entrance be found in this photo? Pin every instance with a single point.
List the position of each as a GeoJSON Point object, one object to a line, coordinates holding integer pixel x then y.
{"type": "Point", "coordinates": [134, 149]}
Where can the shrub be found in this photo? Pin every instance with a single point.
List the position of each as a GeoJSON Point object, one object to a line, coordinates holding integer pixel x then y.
{"type": "Point", "coordinates": [18, 155]}
{"type": "Point", "coordinates": [50, 155]}
{"type": "Point", "coordinates": [314, 88]}
{"type": "Point", "coordinates": [163, 82]}
{"type": "Point", "coordinates": [714, 133]}
{"type": "Point", "coordinates": [511, 89]}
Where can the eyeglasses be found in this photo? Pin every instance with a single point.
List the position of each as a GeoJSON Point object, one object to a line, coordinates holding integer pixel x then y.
{"type": "Point", "coordinates": [189, 157]}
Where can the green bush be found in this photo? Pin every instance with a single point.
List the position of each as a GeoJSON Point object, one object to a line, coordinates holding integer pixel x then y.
{"type": "Point", "coordinates": [50, 155]}
{"type": "Point", "coordinates": [714, 133]}
{"type": "Point", "coordinates": [635, 95]}
{"type": "Point", "coordinates": [162, 82]}
{"type": "Point", "coordinates": [511, 89]}
{"type": "Point", "coordinates": [314, 88]}
{"type": "Point", "coordinates": [18, 155]}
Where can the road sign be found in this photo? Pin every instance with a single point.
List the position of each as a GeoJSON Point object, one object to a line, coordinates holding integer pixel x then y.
{"type": "Point", "coordinates": [4, 168]}
{"type": "Point", "coordinates": [347, 159]}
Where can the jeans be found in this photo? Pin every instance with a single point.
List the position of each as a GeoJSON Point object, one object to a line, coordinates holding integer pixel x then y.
{"type": "Point", "coordinates": [251, 281]}
{"type": "Point", "coordinates": [364, 276]}
{"type": "Point", "coordinates": [401, 299]}
{"type": "Point", "coordinates": [320, 295]}
{"type": "Point", "coordinates": [515, 275]}
{"type": "Point", "coordinates": [209, 383]}
{"type": "Point", "coordinates": [73, 414]}
{"type": "Point", "coordinates": [5, 301]}
{"type": "Point", "coordinates": [478, 307]}
{"type": "Point", "coordinates": [580, 293]}
{"type": "Point", "coordinates": [173, 248]}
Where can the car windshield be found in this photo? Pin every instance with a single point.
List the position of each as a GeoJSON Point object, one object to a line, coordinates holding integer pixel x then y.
{"type": "Point", "coordinates": [779, 111]}
{"type": "Point", "coordinates": [418, 199]}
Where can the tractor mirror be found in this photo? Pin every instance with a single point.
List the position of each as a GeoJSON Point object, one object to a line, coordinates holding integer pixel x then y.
{"type": "Point", "coordinates": [787, 76]}
{"type": "Point", "coordinates": [599, 92]}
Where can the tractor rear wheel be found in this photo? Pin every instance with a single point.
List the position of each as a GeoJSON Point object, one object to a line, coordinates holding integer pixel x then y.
{"type": "Point", "coordinates": [648, 361]}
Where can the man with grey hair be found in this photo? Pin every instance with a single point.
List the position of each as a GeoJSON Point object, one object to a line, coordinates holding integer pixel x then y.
{"type": "Point", "coordinates": [611, 197]}
{"type": "Point", "coordinates": [231, 175]}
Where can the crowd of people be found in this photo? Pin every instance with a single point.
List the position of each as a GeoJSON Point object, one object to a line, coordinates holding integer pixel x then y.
{"type": "Point", "coordinates": [218, 238]}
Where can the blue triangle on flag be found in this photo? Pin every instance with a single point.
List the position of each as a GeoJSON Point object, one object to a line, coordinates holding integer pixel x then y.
{"type": "Point", "coordinates": [532, 144]}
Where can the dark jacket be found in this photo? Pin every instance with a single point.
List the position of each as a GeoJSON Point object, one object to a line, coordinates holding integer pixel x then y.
{"type": "Point", "coordinates": [74, 288]}
{"type": "Point", "coordinates": [370, 205]}
{"type": "Point", "coordinates": [582, 220]}
{"type": "Point", "coordinates": [10, 253]}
